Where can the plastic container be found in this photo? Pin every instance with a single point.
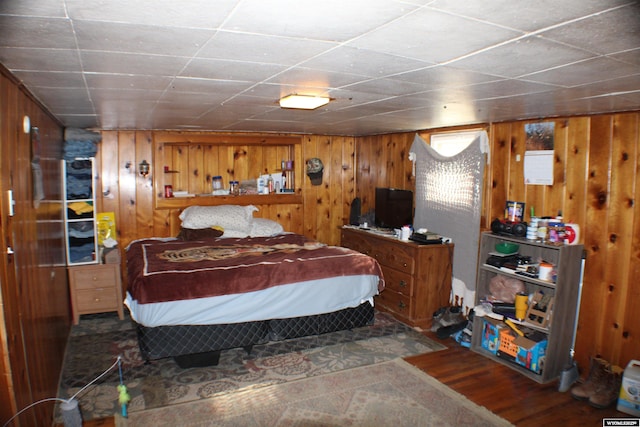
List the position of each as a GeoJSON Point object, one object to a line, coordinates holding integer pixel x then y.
{"type": "Point", "coordinates": [216, 183]}
{"type": "Point", "coordinates": [234, 188]}
{"type": "Point", "coordinates": [629, 398]}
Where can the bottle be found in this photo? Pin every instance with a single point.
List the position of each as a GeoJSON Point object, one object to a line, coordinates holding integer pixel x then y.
{"type": "Point", "coordinates": [270, 184]}
{"type": "Point", "coordinates": [234, 188]}
{"type": "Point", "coordinates": [284, 179]}
{"type": "Point", "coordinates": [216, 183]}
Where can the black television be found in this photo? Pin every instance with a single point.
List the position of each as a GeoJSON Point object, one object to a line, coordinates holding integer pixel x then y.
{"type": "Point", "coordinates": [393, 207]}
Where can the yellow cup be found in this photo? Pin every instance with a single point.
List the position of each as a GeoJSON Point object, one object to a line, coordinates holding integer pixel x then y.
{"type": "Point", "coordinates": [522, 301]}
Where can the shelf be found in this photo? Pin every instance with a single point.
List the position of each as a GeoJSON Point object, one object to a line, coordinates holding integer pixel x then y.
{"type": "Point", "coordinates": [567, 260]}
{"type": "Point", "coordinates": [211, 200]}
{"type": "Point", "coordinates": [533, 280]}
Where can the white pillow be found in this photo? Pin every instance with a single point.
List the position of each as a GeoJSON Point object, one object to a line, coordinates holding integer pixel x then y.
{"type": "Point", "coordinates": [263, 227]}
{"type": "Point", "coordinates": [226, 216]}
{"type": "Point", "coordinates": [238, 234]}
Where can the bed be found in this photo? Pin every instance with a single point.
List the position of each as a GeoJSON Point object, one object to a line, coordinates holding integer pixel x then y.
{"type": "Point", "coordinates": [191, 298]}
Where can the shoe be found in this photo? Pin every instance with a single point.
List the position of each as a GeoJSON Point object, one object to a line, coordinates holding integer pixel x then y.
{"type": "Point", "coordinates": [447, 316]}
{"type": "Point", "coordinates": [609, 390]}
{"type": "Point", "coordinates": [447, 331]}
{"type": "Point", "coordinates": [598, 374]}
{"type": "Point", "coordinates": [437, 316]}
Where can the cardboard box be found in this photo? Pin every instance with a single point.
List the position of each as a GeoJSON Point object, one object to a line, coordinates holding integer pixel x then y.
{"type": "Point", "coordinates": [491, 334]}
{"type": "Point", "coordinates": [530, 353]}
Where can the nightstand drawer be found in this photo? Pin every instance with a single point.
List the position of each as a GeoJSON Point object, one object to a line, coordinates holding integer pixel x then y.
{"type": "Point", "coordinates": [97, 299]}
{"type": "Point", "coordinates": [101, 276]}
{"type": "Point", "coordinates": [95, 288]}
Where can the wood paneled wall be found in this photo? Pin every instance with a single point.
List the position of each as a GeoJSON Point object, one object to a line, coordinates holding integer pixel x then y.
{"type": "Point", "coordinates": [596, 185]}
{"type": "Point", "coordinates": [34, 298]}
{"type": "Point", "coordinates": [323, 210]}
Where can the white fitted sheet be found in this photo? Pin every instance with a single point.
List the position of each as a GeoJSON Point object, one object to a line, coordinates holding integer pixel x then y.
{"type": "Point", "coordinates": [278, 302]}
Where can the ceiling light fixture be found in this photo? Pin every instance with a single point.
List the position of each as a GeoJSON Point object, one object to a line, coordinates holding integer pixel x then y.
{"type": "Point", "coordinates": [303, 102]}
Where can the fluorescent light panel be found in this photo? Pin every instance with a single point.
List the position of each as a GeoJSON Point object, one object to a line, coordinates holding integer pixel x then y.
{"type": "Point", "coordinates": [303, 102]}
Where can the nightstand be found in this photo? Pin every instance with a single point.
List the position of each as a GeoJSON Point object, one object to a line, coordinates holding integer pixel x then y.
{"type": "Point", "coordinates": [95, 288]}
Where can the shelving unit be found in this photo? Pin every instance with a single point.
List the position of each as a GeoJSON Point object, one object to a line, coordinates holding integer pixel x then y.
{"type": "Point", "coordinates": [567, 260]}
{"type": "Point", "coordinates": [188, 162]}
{"type": "Point", "coordinates": [81, 238]}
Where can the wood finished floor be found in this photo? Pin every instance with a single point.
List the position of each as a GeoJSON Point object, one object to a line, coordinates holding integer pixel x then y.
{"type": "Point", "coordinates": [503, 391]}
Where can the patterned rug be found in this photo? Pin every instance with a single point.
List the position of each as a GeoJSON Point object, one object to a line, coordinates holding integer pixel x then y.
{"type": "Point", "coordinates": [97, 341]}
{"type": "Point", "coordinates": [391, 393]}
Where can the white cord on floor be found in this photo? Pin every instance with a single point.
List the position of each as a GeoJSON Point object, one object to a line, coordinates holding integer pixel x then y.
{"type": "Point", "coordinates": [63, 400]}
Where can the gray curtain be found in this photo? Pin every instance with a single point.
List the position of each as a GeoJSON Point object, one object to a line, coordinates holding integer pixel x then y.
{"type": "Point", "coordinates": [448, 202]}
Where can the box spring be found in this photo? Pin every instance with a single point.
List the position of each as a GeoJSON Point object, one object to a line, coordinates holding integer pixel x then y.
{"type": "Point", "coordinates": [200, 345]}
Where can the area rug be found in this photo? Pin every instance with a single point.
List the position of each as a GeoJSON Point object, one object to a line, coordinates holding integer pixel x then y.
{"type": "Point", "coordinates": [95, 344]}
{"type": "Point", "coordinates": [392, 393]}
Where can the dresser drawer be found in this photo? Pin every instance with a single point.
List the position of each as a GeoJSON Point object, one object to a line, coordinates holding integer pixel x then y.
{"type": "Point", "coordinates": [99, 276]}
{"type": "Point", "coordinates": [357, 243]}
{"type": "Point", "coordinates": [397, 281]}
{"type": "Point", "coordinates": [395, 256]}
{"type": "Point", "coordinates": [395, 302]}
{"type": "Point", "coordinates": [101, 299]}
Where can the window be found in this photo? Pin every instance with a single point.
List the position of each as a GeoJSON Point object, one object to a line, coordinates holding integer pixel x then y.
{"type": "Point", "coordinates": [451, 143]}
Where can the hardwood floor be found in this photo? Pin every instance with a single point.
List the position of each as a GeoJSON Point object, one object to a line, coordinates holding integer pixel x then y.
{"type": "Point", "coordinates": [503, 391]}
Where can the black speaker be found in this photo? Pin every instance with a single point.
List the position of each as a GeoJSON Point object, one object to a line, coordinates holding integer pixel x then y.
{"type": "Point", "coordinates": [354, 217]}
{"type": "Point", "coordinates": [510, 228]}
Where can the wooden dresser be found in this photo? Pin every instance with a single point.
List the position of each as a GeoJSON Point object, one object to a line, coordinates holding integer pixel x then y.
{"type": "Point", "coordinates": [95, 288]}
{"type": "Point", "coordinates": [417, 277]}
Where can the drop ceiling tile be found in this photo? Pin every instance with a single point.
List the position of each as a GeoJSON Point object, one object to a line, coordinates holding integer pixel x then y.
{"type": "Point", "coordinates": [209, 99]}
{"type": "Point", "coordinates": [387, 87]}
{"type": "Point", "coordinates": [66, 100]}
{"type": "Point", "coordinates": [196, 85]}
{"type": "Point", "coordinates": [363, 62]}
{"type": "Point", "coordinates": [231, 70]}
{"type": "Point", "coordinates": [584, 72]}
{"type": "Point", "coordinates": [262, 48]}
{"type": "Point", "coordinates": [440, 77]}
{"type": "Point", "coordinates": [124, 96]}
{"type": "Point", "coordinates": [630, 56]}
{"type": "Point", "coordinates": [610, 32]}
{"type": "Point", "coordinates": [35, 59]}
{"type": "Point", "coordinates": [525, 15]}
{"type": "Point", "coordinates": [332, 20]}
{"type": "Point", "coordinates": [523, 56]}
{"type": "Point", "coordinates": [44, 33]}
{"type": "Point", "coordinates": [192, 13]}
{"type": "Point", "coordinates": [124, 81]}
{"type": "Point", "coordinates": [132, 63]}
{"type": "Point", "coordinates": [50, 79]}
{"type": "Point", "coordinates": [41, 8]}
{"type": "Point", "coordinates": [82, 121]}
{"type": "Point", "coordinates": [118, 37]}
{"type": "Point", "coordinates": [313, 82]}
{"type": "Point", "coordinates": [430, 35]}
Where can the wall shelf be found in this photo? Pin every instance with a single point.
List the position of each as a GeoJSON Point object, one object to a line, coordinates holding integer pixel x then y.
{"type": "Point", "coordinates": [211, 200]}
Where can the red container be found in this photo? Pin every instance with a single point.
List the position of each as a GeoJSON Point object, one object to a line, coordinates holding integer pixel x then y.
{"type": "Point", "coordinates": [168, 191]}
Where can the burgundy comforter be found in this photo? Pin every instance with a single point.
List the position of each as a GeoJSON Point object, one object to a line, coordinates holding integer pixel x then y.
{"type": "Point", "coordinates": [160, 271]}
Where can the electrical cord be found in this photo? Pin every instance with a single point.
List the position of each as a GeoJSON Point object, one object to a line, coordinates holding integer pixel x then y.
{"type": "Point", "coordinates": [57, 399]}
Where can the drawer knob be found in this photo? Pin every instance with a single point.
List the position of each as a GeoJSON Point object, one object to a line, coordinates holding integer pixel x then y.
{"type": "Point", "coordinates": [94, 278]}
{"type": "Point", "coordinates": [404, 264]}
{"type": "Point", "coordinates": [402, 284]}
{"type": "Point", "coordinates": [96, 300]}
{"type": "Point", "coordinates": [401, 305]}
